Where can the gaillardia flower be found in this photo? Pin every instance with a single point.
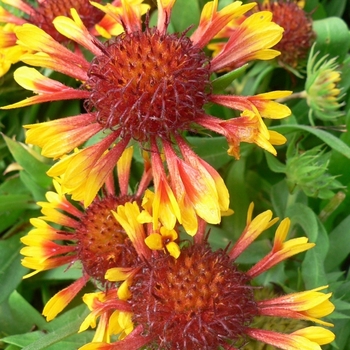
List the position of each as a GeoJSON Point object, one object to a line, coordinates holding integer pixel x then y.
{"type": "Point", "coordinates": [91, 237]}
{"type": "Point", "coordinates": [42, 16]}
{"type": "Point", "coordinates": [202, 299]}
{"type": "Point", "coordinates": [149, 86]}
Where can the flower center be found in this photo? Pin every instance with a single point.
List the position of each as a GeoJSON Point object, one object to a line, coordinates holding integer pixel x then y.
{"type": "Point", "coordinates": [148, 84]}
{"type": "Point", "coordinates": [198, 301]}
{"type": "Point", "coordinates": [48, 10]}
{"type": "Point", "coordinates": [102, 242]}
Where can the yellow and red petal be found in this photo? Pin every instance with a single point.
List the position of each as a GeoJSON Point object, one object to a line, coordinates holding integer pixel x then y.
{"type": "Point", "coordinates": [202, 193]}
{"type": "Point", "coordinates": [44, 249]}
{"type": "Point", "coordinates": [223, 194]}
{"type": "Point", "coordinates": [44, 230]}
{"type": "Point", "coordinates": [308, 338]}
{"type": "Point", "coordinates": [127, 216]}
{"type": "Point", "coordinates": [164, 12]}
{"type": "Point", "coordinates": [123, 168]}
{"type": "Point", "coordinates": [39, 265]}
{"type": "Point", "coordinates": [100, 173]}
{"type": "Point", "coordinates": [121, 323]}
{"type": "Point", "coordinates": [101, 333]}
{"type": "Point", "coordinates": [281, 234]}
{"type": "Point", "coordinates": [128, 13]}
{"type": "Point", "coordinates": [281, 250]}
{"type": "Point", "coordinates": [32, 38]}
{"type": "Point", "coordinates": [7, 36]}
{"type": "Point", "coordinates": [308, 305]}
{"type": "Point", "coordinates": [165, 207]}
{"type": "Point", "coordinates": [134, 341]}
{"type": "Point", "coordinates": [261, 103]}
{"type": "Point", "coordinates": [271, 109]}
{"type": "Point", "coordinates": [318, 335]}
{"type": "Point", "coordinates": [213, 21]}
{"type": "Point", "coordinates": [21, 5]}
{"type": "Point", "coordinates": [59, 201]}
{"type": "Point", "coordinates": [74, 29]}
{"type": "Point", "coordinates": [57, 217]}
{"type": "Point", "coordinates": [7, 17]}
{"type": "Point", "coordinates": [93, 164]}
{"type": "Point", "coordinates": [42, 59]}
{"type": "Point", "coordinates": [108, 27]}
{"type": "Point", "coordinates": [276, 138]}
{"type": "Point", "coordinates": [253, 229]}
{"type": "Point", "coordinates": [173, 249]}
{"type": "Point", "coordinates": [48, 89]}
{"type": "Point", "coordinates": [251, 40]}
{"type": "Point", "coordinates": [61, 136]}
{"type": "Point", "coordinates": [61, 299]}
{"type": "Point", "coordinates": [154, 241]}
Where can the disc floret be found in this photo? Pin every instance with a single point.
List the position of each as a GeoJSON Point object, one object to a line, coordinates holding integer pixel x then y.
{"type": "Point", "coordinates": [148, 83]}
{"type": "Point", "coordinates": [199, 300]}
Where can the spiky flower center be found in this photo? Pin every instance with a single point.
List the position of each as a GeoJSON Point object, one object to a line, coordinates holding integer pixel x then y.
{"type": "Point", "coordinates": [148, 83]}
{"type": "Point", "coordinates": [48, 10]}
{"type": "Point", "coordinates": [298, 35]}
{"type": "Point", "coordinates": [198, 301]}
{"type": "Point", "coordinates": [102, 242]}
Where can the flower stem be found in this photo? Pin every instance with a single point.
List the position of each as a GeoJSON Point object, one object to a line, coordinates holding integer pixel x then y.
{"type": "Point", "coordinates": [301, 94]}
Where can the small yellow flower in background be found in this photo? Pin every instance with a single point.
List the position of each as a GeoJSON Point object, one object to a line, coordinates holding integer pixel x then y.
{"type": "Point", "coordinates": [149, 86]}
{"type": "Point", "coordinates": [202, 299]}
{"type": "Point", "coordinates": [321, 87]}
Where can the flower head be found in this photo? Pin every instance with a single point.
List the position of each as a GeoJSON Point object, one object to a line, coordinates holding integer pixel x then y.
{"type": "Point", "coordinates": [298, 35]}
{"type": "Point", "coordinates": [202, 299]}
{"type": "Point", "coordinates": [150, 86]}
{"type": "Point", "coordinates": [89, 236]}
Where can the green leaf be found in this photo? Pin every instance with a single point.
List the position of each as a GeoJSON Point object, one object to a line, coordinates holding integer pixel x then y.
{"type": "Point", "coordinates": [279, 198]}
{"type": "Point", "coordinates": [16, 201]}
{"type": "Point", "coordinates": [305, 217]}
{"type": "Point", "coordinates": [222, 82]}
{"type": "Point", "coordinates": [332, 37]}
{"type": "Point", "coordinates": [185, 14]}
{"type": "Point", "coordinates": [313, 270]}
{"type": "Point", "coordinates": [29, 163]}
{"type": "Point", "coordinates": [335, 8]}
{"type": "Point", "coordinates": [61, 328]}
{"type": "Point", "coordinates": [339, 249]}
{"type": "Point", "coordinates": [26, 312]}
{"type": "Point", "coordinates": [18, 316]}
{"type": "Point", "coordinates": [72, 342]}
{"type": "Point", "coordinates": [331, 140]}
{"type": "Point", "coordinates": [11, 270]}
{"type": "Point", "coordinates": [274, 164]}
{"type": "Point", "coordinates": [212, 150]}
{"type": "Point", "coordinates": [37, 192]}
{"type": "Point", "coordinates": [236, 183]}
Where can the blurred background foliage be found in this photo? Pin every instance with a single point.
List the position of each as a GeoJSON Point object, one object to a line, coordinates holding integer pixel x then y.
{"type": "Point", "coordinates": [308, 181]}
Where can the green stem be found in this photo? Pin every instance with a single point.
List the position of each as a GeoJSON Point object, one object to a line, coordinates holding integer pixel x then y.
{"type": "Point", "coordinates": [301, 94]}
